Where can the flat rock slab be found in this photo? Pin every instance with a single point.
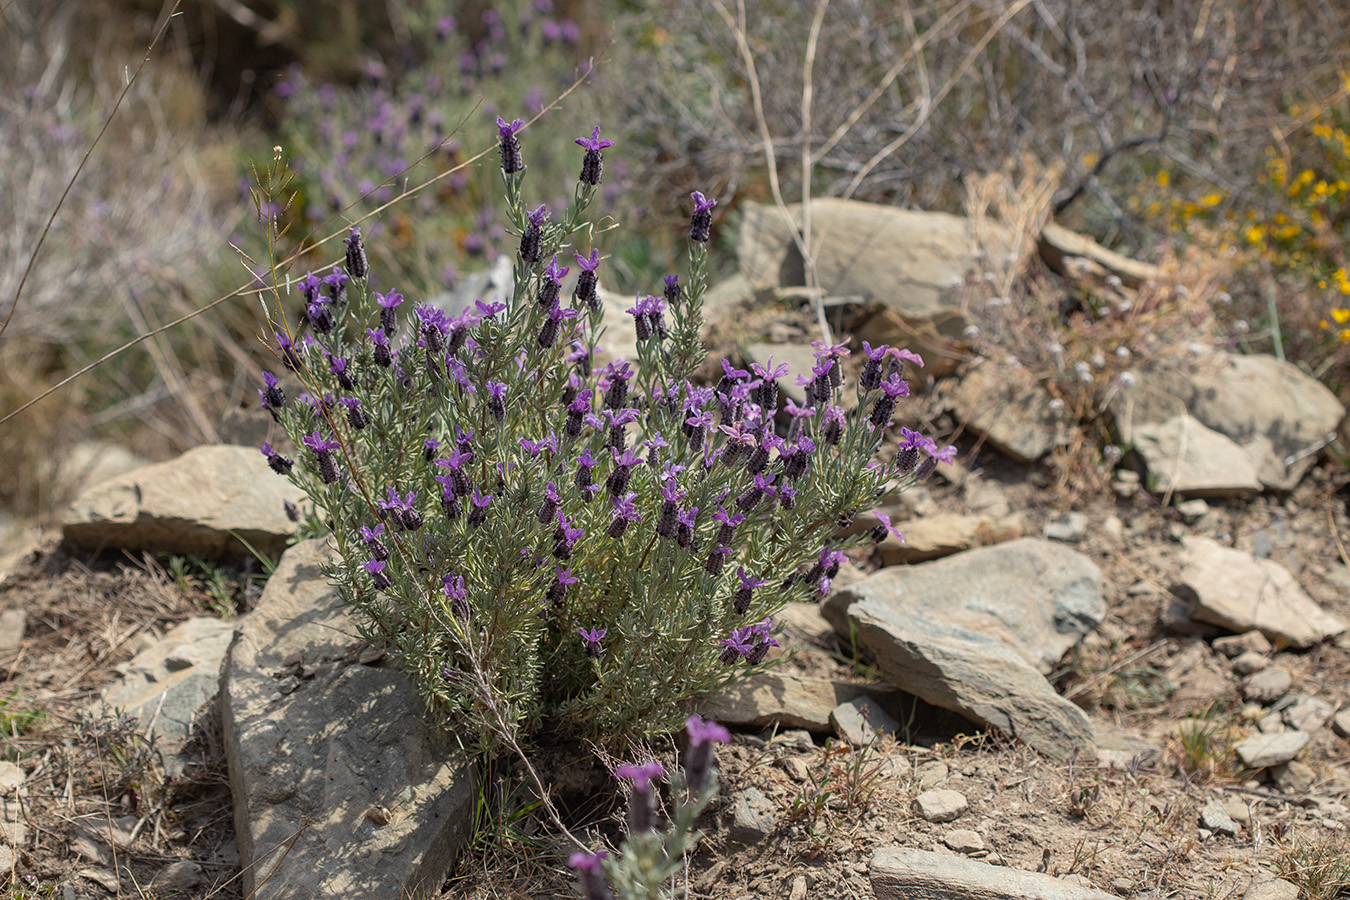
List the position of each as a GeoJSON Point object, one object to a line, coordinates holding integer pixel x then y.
{"type": "Point", "coordinates": [860, 720]}
{"type": "Point", "coordinates": [1010, 409]}
{"type": "Point", "coordinates": [1237, 591]}
{"type": "Point", "coordinates": [1260, 751]}
{"type": "Point", "coordinates": [166, 684]}
{"type": "Point", "coordinates": [973, 674]}
{"type": "Point", "coordinates": [789, 701]}
{"type": "Point", "coordinates": [189, 505]}
{"type": "Point", "coordinates": [909, 260]}
{"type": "Point", "coordinates": [1270, 412]}
{"type": "Point", "coordinates": [339, 788]}
{"type": "Point", "coordinates": [1185, 457]}
{"type": "Point", "coordinates": [1040, 597]}
{"type": "Point", "coordinates": [902, 874]}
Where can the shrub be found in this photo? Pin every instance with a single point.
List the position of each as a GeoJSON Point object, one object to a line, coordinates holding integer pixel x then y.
{"type": "Point", "coordinates": [543, 540]}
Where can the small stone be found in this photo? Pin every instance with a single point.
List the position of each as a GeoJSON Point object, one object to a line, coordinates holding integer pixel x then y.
{"type": "Point", "coordinates": [8, 859]}
{"type": "Point", "coordinates": [1238, 811]}
{"type": "Point", "coordinates": [797, 769]}
{"type": "Point", "coordinates": [1068, 528]}
{"type": "Point", "coordinates": [1113, 529]}
{"type": "Point", "coordinates": [1270, 723]}
{"type": "Point", "coordinates": [940, 805]}
{"type": "Point", "coordinates": [860, 720]}
{"type": "Point", "coordinates": [12, 624]}
{"type": "Point", "coordinates": [13, 824]}
{"type": "Point", "coordinates": [1192, 510]}
{"type": "Point", "coordinates": [1214, 817]}
{"type": "Point", "coordinates": [1126, 484]}
{"type": "Point", "coordinates": [797, 739]}
{"type": "Point", "coordinates": [1249, 663]}
{"type": "Point", "coordinates": [1272, 889]}
{"type": "Point", "coordinates": [11, 777]}
{"type": "Point", "coordinates": [1341, 723]}
{"type": "Point", "coordinates": [752, 817]}
{"type": "Point", "coordinates": [798, 891]}
{"type": "Point", "coordinates": [1237, 644]}
{"type": "Point", "coordinates": [105, 878]}
{"type": "Point", "coordinates": [963, 840]}
{"type": "Point", "coordinates": [931, 774]}
{"type": "Point", "coordinates": [1303, 713]}
{"type": "Point", "coordinates": [1268, 685]}
{"type": "Point", "coordinates": [1294, 777]}
{"type": "Point", "coordinates": [1261, 751]}
{"type": "Point", "coordinates": [1122, 885]}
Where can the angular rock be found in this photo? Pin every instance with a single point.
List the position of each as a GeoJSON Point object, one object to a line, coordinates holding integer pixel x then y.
{"type": "Point", "coordinates": [1250, 662]}
{"type": "Point", "coordinates": [899, 873]}
{"type": "Point", "coordinates": [1240, 592]}
{"type": "Point", "coordinates": [166, 684]}
{"type": "Point", "coordinates": [973, 674]}
{"type": "Point", "coordinates": [1261, 751]}
{"type": "Point", "coordinates": [1068, 528]}
{"type": "Point", "coordinates": [12, 625]}
{"type": "Point", "coordinates": [1341, 723]}
{"type": "Point", "coordinates": [945, 534]}
{"type": "Point", "coordinates": [790, 701]}
{"type": "Point", "coordinates": [1272, 889]}
{"type": "Point", "coordinates": [907, 260]}
{"type": "Point", "coordinates": [1274, 413]}
{"type": "Point", "coordinates": [860, 720]}
{"type": "Point", "coordinates": [1294, 777]}
{"type": "Point", "coordinates": [963, 840]}
{"type": "Point", "coordinates": [752, 817]}
{"type": "Point", "coordinates": [1010, 409]}
{"type": "Point", "coordinates": [348, 742]}
{"type": "Point", "coordinates": [1303, 713]}
{"type": "Point", "coordinates": [1215, 818]}
{"type": "Point", "coordinates": [1184, 457]}
{"type": "Point", "coordinates": [1267, 685]}
{"type": "Point", "coordinates": [1237, 644]}
{"type": "Point", "coordinates": [941, 806]}
{"type": "Point", "coordinates": [1057, 245]}
{"type": "Point", "coordinates": [189, 505]}
{"type": "Point", "coordinates": [1039, 597]}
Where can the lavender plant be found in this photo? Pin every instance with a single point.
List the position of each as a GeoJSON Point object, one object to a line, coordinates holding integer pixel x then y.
{"type": "Point", "coordinates": [541, 537]}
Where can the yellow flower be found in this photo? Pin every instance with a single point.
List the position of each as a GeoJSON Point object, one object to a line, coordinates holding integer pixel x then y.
{"type": "Point", "coordinates": [1255, 234]}
{"type": "Point", "coordinates": [1322, 324]}
{"type": "Point", "coordinates": [1211, 200]}
{"type": "Point", "coordinates": [1340, 315]}
{"type": "Point", "coordinates": [1164, 178]}
{"type": "Point", "coordinates": [1345, 335]}
{"type": "Point", "coordinates": [1089, 160]}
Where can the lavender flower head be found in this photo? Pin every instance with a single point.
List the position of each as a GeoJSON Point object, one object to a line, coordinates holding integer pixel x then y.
{"type": "Point", "coordinates": [700, 227]}
{"type": "Point", "coordinates": [512, 161]}
{"type": "Point", "coordinates": [703, 738]}
{"type": "Point", "coordinates": [592, 164]}
{"type": "Point", "coordinates": [593, 637]}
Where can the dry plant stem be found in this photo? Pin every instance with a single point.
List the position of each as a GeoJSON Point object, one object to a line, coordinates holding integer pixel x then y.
{"type": "Point", "coordinates": [245, 289]}
{"type": "Point", "coordinates": [737, 25]}
{"type": "Point", "coordinates": [70, 185]}
{"type": "Point", "coordinates": [929, 102]}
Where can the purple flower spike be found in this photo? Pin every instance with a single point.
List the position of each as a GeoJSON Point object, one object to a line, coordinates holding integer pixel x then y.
{"type": "Point", "coordinates": [703, 738]}
{"type": "Point", "coordinates": [532, 240]}
{"type": "Point", "coordinates": [376, 569]}
{"type": "Point", "coordinates": [280, 464]}
{"type": "Point", "coordinates": [593, 637]}
{"type": "Point", "coordinates": [592, 164]}
{"type": "Point", "coordinates": [591, 875]}
{"type": "Point", "coordinates": [883, 528]}
{"type": "Point", "coordinates": [700, 227]}
{"type": "Point", "coordinates": [512, 162]}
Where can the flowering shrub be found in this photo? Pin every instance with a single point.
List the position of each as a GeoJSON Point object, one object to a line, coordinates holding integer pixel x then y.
{"type": "Point", "coordinates": [540, 537]}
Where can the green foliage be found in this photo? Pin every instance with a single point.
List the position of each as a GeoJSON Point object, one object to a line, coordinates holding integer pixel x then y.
{"type": "Point", "coordinates": [1320, 866]}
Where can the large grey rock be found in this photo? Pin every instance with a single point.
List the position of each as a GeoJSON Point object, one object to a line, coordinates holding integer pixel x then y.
{"type": "Point", "coordinates": [790, 701]}
{"type": "Point", "coordinates": [899, 873]}
{"type": "Point", "coordinates": [1010, 409]}
{"type": "Point", "coordinates": [1239, 592]}
{"type": "Point", "coordinates": [1260, 751]}
{"type": "Point", "coordinates": [165, 685]}
{"type": "Point", "coordinates": [1039, 597]}
{"type": "Point", "coordinates": [974, 674]}
{"type": "Point", "coordinates": [1275, 413]}
{"type": "Point", "coordinates": [189, 505]}
{"type": "Point", "coordinates": [332, 756]}
{"type": "Point", "coordinates": [907, 260]}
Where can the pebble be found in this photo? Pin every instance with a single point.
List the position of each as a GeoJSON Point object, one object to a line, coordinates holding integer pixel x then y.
{"type": "Point", "coordinates": [1114, 529]}
{"type": "Point", "coordinates": [1304, 713]}
{"type": "Point", "coordinates": [798, 891]}
{"type": "Point", "coordinates": [1238, 811]}
{"type": "Point", "coordinates": [752, 818]}
{"type": "Point", "coordinates": [1068, 528]}
{"type": "Point", "coordinates": [1294, 777]}
{"type": "Point", "coordinates": [931, 774]}
{"type": "Point", "coordinates": [1237, 644]}
{"type": "Point", "coordinates": [963, 840]}
{"type": "Point", "coordinates": [1273, 889]}
{"type": "Point", "coordinates": [940, 805]}
{"type": "Point", "coordinates": [1192, 510]}
{"type": "Point", "coordinates": [12, 624]}
{"type": "Point", "coordinates": [1250, 662]}
{"type": "Point", "coordinates": [1268, 685]}
{"type": "Point", "coordinates": [1214, 817]}
{"type": "Point", "coordinates": [11, 777]}
{"type": "Point", "coordinates": [797, 769]}
{"type": "Point", "coordinates": [1341, 723]}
